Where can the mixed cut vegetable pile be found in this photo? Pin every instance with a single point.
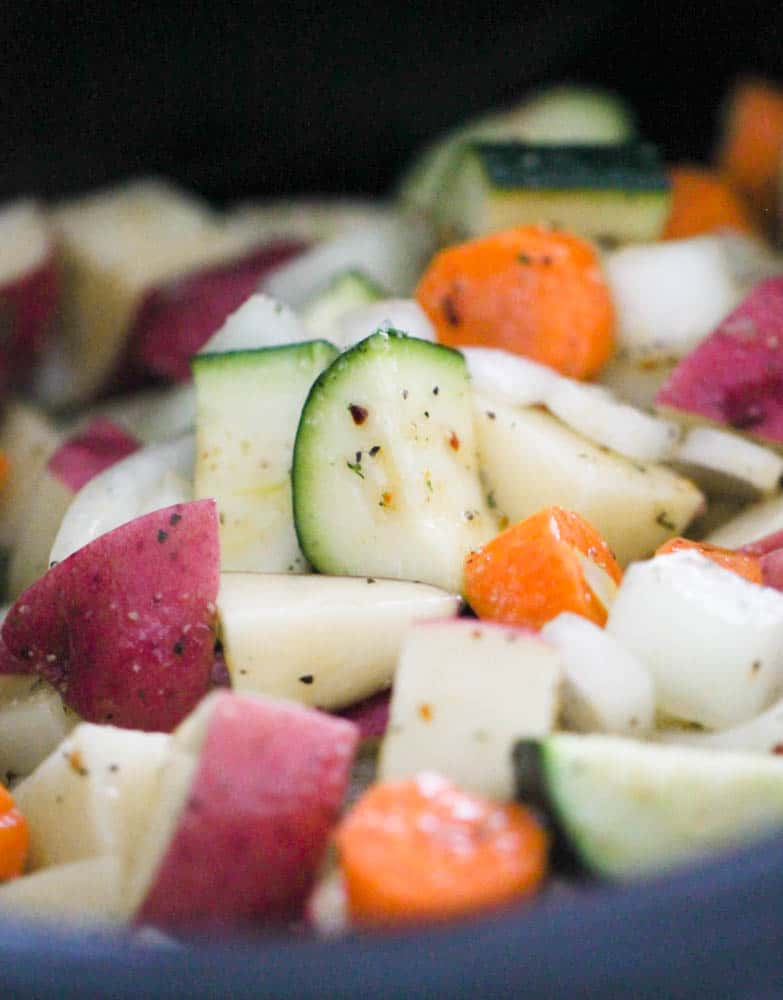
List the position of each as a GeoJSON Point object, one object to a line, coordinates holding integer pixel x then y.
{"type": "Point", "coordinates": [357, 553]}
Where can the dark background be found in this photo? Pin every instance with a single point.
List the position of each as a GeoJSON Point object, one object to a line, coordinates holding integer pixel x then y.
{"type": "Point", "coordinates": [237, 99]}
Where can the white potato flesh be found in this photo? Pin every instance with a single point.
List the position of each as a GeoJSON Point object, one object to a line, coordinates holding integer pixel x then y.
{"type": "Point", "coordinates": [390, 250]}
{"type": "Point", "coordinates": [49, 500]}
{"type": "Point", "coordinates": [669, 295]}
{"type": "Point", "coordinates": [80, 894]}
{"type": "Point", "coordinates": [152, 414]}
{"type": "Point", "coordinates": [304, 218]}
{"type": "Point", "coordinates": [25, 240]}
{"type": "Point", "coordinates": [712, 640]}
{"type": "Point", "coordinates": [33, 721]}
{"type": "Point", "coordinates": [756, 521]}
{"type": "Point", "coordinates": [324, 641]}
{"type": "Point", "coordinates": [28, 439]}
{"type": "Point", "coordinates": [92, 795]}
{"type": "Point", "coordinates": [464, 693]}
{"type": "Point", "coordinates": [261, 321]}
{"type": "Point", "coordinates": [530, 460]}
{"type": "Point", "coordinates": [725, 463]}
{"type": "Point", "coordinates": [606, 689]}
{"type": "Point", "coordinates": [151, 478]}
{"type": "Point", "coordinates": [116, 244]}
{"type": "Point", "coordinates": [404, 315]}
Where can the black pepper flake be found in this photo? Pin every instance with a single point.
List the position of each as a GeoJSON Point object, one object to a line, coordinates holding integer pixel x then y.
{"type": "Point", "coordinates": [370, 579]}
{"type": "Point", "coordinates": [114, 768]}
{"type": "Point", "coordinates": [491, 414]}
{"type": "Point", "coordinates": [404, 393]}
{"type": "Point", "coordinates": [358, 413]}
{"type": "Point", "coordinates": [175, 519]}
{"type": "Point", "coordinates": [306, 679]}
{"type": "Point", "coordinates": [524, 258]}
{"type": "Point", "coordinates": [53, 563]}
{"type": "Point", "coordinates": [450, 311]}
{"type": "Point", "coordinates": [427, 414]}
{"type": "Point", "coordinates": [178, 647]}
{"type": "Point", "coordinates": [162, 535]}
{"type": "Point", "coordinates": [435, 390]}
{"type": "Point", "coordinates": [374, 450]}
{"type": "Point", "coordinates": [222, 517]}
{"type": "Point", "coordinates": [665, 521]}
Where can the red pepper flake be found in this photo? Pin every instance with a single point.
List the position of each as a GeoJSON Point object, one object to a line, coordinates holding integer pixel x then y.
{"type": "Point", "coordinates": [425, 712]}
{"type": "Point", "coordinates": [778, 748]}
{"type": "Point", "coordinates": [359, 413]}
{"type": "Point", "coordinates": [386, 499]}
{"type": "Point", "coordinates": [454, 441]}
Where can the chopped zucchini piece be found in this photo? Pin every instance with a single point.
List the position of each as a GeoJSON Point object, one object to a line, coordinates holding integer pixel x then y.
{"type": "Point", "coordinates": [612, 194]}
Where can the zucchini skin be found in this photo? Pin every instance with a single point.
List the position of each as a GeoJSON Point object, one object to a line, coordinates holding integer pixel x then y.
{"type": "Point", "coordinates": [531, 789]}
{"type": "Point", "coordinates": [633, 167]}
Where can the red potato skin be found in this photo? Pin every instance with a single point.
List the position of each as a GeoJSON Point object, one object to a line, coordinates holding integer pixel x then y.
{"type": "Point", "coordinates": [769, 549]}
{"type": "Point", "coordinates": [27, 309]}
{"type": "Point", "coordinates": [735, 376]}
{"type": "Point", "coordinates": [269, 784]}
{"type": "Point", "coordinates": [176, 320]}
{"type": "Point", "coordinates": [125, 627]}
{"type": "Point", "coordinates": [98, 446]}
{"type": "Point", "coordinates": [371, 715]}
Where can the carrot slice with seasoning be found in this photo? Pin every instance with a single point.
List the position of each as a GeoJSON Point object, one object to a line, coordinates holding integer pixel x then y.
{"type": "Point", "coordinates": [551, 562]}
{"type": "Point", "coordinates": [13, 837]}
{"type": "Point", "coordinates": [750, 152]}
{"type": "Point", "coordinates": [421, 849]}
{"type": "Point", "coordinates": [531, 290]}
{"type": "Point", "coordinates": [702, 202]}
{"type": "Point", "coordinates": [741, 563]}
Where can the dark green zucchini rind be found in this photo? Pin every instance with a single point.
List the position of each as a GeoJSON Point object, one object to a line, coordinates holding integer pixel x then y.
{"type": "Point", "coordinates": [617, 194]}
{"type": "Point", "coordinates": [531, 789]}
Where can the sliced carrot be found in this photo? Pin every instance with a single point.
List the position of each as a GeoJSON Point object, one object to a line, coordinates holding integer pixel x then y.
{"type": "Point", "coordinates": [537, 568]}
{"type": "Point", "coordinates": [13, 837]}
{"type": "Point", "coordinates": [702, 202]}
{"type": "Point", "coordinates": [741, 563]}
{"type": "Point", "coordinates": [530, 290]}
{"type": "Point", "coordinates": [420, 849]}
{"type": "Point", "coordinates": [750, 152]}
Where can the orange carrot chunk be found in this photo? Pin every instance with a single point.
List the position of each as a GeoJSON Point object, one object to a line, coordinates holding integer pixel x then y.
{"type": "Point", "coordinates": [701, 202]}
{"type": "Point", "coordinates": [13, 837]}
{"type": "Point", "coordinates": [421, 849]}
{"type": "Point", "coordinates": [530, 290]}
{"type": "Point", "coordinates": [750, 152]}
{"type": "Point", "coordinates": [539, 567]}
{"type": "Point", "coordinates": [740, 563]}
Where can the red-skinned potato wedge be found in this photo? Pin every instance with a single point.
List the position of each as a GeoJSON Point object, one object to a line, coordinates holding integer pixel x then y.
{"type": "Point", "coordinates": [74, 463]}
{"type": "Point", "coordinates": [734, 377]}
{"type": "Point", "coordinates": [142, 261]}
{"type": "Point", "coordinates": [769, 551]}
{"type": "Point", "coordinates": [28, 290]}
{"type": "Point", "coordinates": [176, 320]}
{"type": "Point", "coordinates": [244, 814]}
{"type": "Point", "coordinates": [125, 627]}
